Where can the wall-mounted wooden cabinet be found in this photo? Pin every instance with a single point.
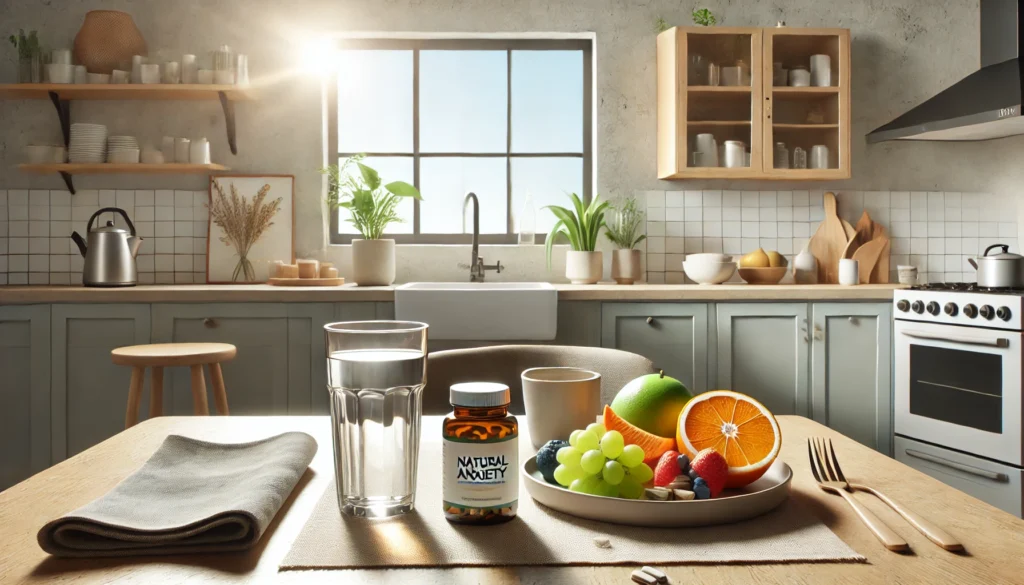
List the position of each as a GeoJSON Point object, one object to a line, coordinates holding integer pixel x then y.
{"type": "Point", "coordinates": [725, 104]}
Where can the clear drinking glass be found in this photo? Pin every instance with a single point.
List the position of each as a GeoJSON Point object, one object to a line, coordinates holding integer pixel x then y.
{"type": "Point", "coordinates": [376, 371]}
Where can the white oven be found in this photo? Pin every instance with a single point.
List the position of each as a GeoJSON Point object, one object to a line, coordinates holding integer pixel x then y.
{"type": "Point", "coordinates": [960, 387]}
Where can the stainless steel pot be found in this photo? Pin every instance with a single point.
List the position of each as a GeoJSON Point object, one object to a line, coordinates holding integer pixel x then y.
{"type": "Point", "coordinates": [1002, 270]}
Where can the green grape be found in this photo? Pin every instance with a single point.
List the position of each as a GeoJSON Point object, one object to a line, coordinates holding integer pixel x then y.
{"type": "Point", "coordinates": [574, 437]}
{"type": "Point", "coordinates": [630, 488]}
{"type": "Point", "coordinates": [585, 485]}
{"type": "Point", "coordinates": [631, 456]}
{"type": "Point", "coordinates": [642, 473]}
{"type": "Point", "coordinates": [566, 474]}
{"type": "Point", "coordinates": [587, 440]}
{"type": "Point", "coordinates": [613, 472]}
{"type": "Point", "coordinates": [568, 456]}
{"type": "Point", "coordinates": [612, 444]}
{"type": "Point", "coordinates": [592, 462]}
{"type": "Point", "coordinates": [598, 428]}
{"type": "Point", "coordinates": [606, 489]}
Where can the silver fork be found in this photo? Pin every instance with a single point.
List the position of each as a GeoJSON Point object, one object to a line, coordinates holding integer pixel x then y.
{"type": "Point", "coordinates": [836, 483]}
{"type": "Point", "coordinates": [925, 527]}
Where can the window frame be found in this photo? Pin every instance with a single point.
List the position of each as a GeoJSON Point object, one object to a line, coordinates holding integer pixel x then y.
{"type": "Point", "coordinates": [469, 43]}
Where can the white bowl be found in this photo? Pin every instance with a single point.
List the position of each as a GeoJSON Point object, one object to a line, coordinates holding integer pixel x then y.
{"type": "Point", "coordinates": [124, 156]}
{"type": "Point", "coordinates": [95, 78]}
{"type": "Point", "coordinates": [709, 257]}
{"type": "Point", "coordinates": [39, 154]}
{"type": "Point", "coordinates": [60, 73]}
{"type": "Point", "coordinates": [709, 272]}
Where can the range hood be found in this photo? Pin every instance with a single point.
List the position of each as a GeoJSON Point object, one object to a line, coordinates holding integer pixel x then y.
{"type": "Point", "coordinates": [984, 105]}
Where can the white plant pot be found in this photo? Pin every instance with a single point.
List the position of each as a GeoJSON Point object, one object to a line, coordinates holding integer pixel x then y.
{"type": "Point", "coordinates": [626, 266]}
{"type": "Point", "coordinates": [583, 267]}
{"type": "Point", "coordinates": [373, 262]}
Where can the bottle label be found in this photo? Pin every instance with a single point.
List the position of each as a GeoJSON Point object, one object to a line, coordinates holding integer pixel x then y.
{"type": "Point", "coordinates": [481, 474]}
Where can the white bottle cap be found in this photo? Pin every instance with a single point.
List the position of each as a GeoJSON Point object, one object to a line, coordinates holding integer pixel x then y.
{"type": "Point", "coordinates": [480, 394]}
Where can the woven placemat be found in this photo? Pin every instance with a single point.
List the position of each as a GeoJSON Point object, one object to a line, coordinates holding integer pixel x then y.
{"type": "Point", "coordinates": [541, 536]}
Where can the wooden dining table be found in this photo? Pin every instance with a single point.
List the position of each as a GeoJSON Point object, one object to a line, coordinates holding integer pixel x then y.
{"type": "Point", "coordinates": [994, 540]}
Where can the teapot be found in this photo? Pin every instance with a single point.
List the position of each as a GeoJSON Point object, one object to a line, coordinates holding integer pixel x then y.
{"type": "Point", "coordinates": [110, 252]}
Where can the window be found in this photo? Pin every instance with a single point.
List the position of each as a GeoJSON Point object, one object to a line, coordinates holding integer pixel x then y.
{"type": "Point", "coordinates": [506, 119]}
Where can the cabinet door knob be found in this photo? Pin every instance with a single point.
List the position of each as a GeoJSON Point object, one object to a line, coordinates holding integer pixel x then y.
{"type": "Point", "coordinates": [853, 320]}
{"type": "Point", "coordinates": [650, 320]}
{"type": "Point", "coordinates": [210, 323]}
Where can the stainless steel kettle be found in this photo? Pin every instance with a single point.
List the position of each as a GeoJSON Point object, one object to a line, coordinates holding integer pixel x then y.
{"type": "Point", "coordinates": [1002, 270]}
{"type": "Point", "coordinates": [110, 252]}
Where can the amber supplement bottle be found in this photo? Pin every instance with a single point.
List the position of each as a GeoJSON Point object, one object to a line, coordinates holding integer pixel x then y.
{"type": "Point", "coordinates": [480, 455]}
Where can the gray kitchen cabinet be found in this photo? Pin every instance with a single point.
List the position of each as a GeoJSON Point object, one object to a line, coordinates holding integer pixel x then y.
{"type": "Point", "coordinates": [88, 392]}
{"type": "Point", "coordinates": [579, 323]}
{"type": "Point", "coordinates": [24, 392]}
{"type": "Point", "coordinates": [851, 365]}
{"type": "Point", "coordinates": [762, 351]}
{"type": "Point", "coordinates": [672, 335]}
{"type": "Point", "coordinates": [280, 347]}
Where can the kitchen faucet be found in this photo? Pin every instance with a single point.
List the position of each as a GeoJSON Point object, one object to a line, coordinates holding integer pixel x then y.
{"type": "Point", "coordinates": [477, 268]}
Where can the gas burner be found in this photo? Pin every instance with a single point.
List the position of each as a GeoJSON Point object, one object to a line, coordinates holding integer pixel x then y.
{"type": "Point", "coordinates": [967, 287]}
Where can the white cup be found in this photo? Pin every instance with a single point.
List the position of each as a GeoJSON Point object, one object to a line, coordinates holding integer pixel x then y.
{"type": "Point", "coordinates": [821, 70]}
{"type": "Point", "coordinates": [181, 150]}
{"type": "Point", "coordinates": [39, 154]}
{"type": "Point", "coordinates": [81, 74]}
{"type": "Point", "coordinates": [167, 148]}
{"type": "Point", "coordinates": [60, 56]}
{"type": "Point", "coordinates": [907, 274]}
{"type": "Point", "coordinates": [189, 69]}
{"type": "Point", "coordinates": [224, 77]}
{"type": "Point", "coordinates": [799, 77]}
{"type": "Point", "coordinates": [849, 272]}
{"type": "Point", "coordinates": [61, 72]}
{"type": "Point", "coordinates": [137, 61]}
{"type": "Point", "coordinates": [559, 401]}
{"type": "Point", "coordinates": [151, 156]}
{"type": "Point", "coordinates": [118, 76]}
{"type": "Point", "coordinates": [98, 78]}
{"type": "Point", "coordinates": [199, 152]}
{"type": "Point", "coordinates": [172, 72]}
{"type": "Point", "coordinates": [150, 73]}
{"type": "Point", "coordinates": [204, 76]}
{"type": "Point", "coordinates": [819, 156]}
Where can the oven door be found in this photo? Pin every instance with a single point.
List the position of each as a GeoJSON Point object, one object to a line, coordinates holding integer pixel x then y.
{"type": "Point", "coordinates": [960, 387]}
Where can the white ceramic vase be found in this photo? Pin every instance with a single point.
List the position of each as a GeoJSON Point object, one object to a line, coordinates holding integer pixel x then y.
{"type": "Point", "coordinates": [583, 267]}
{"type": "Point", "coordinates": [373, 262]}
{"type": "Point", "coordinates": [626, 266]}
{"type": "Point", "coordinates": [805, 268]}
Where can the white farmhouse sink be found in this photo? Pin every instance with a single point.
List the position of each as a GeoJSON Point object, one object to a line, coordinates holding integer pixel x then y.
{"type": "Point", "coordinates": [480, 311]}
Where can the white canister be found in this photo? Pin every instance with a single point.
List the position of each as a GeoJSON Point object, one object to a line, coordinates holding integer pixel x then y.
{"type": "Point", "coordinates": [735, 154]}
{"type": "Point", "coordinates": [241, 70]}
{"type": "Point", "coordinates": [799, 76]}
{"type": "Point", "coordinates": [119, 76]}
{"type": "Point", "coordinates": [731, 76]}
{"type": "Point", "coordinates": [199, 152]}
{"type": "Point", "coordinates": [189, 69]}
{"type": "Point", "coordinates": [181, 150]}
{"type": "Point", "coordinates": [172, 72]}
{"type": "Point", "coordinates": [150, 73]}
{"type": "Point", "coordinates": [81, 75]}
{"type": "Point", "coordinates": [167, 148]}
{"type": "Point", "coordinates": [849, 272]}
{"type": "Point", "coordinates": [821, 70]}
{"type": "Point", "coordinates": [706, 145]}
{"type": "Point", "coordinates": [805, 268]}
{"type": "Point", "coordinates": [819, 156]}
{"type": "Point", "coordinates": [137, 61]}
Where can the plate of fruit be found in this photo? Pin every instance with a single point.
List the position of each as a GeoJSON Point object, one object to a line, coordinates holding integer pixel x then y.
{"type": "Point", "coordinates": [667, 459]}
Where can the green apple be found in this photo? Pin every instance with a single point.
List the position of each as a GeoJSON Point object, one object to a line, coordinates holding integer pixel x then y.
{"type": "Point", "coordinates": [652, 403]}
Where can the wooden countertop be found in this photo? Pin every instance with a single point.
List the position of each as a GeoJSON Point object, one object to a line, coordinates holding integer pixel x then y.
{"type": "Point", "coordinates": [994, 540]}
{"type": "Point", "coordinates": [257, 293]}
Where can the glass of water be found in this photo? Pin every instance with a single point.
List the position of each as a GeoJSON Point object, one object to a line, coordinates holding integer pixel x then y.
{"type": "Point", "coordinates": [376, 371]}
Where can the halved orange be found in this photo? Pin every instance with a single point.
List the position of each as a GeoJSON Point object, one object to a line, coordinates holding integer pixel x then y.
{"type": "Point", "coordinates": [740, 428]}
{"type": "Point", "coordinates": [653, 445]}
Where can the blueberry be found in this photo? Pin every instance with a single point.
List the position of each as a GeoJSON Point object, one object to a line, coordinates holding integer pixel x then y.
{"type": "Point", "coordinates": [699, 481]}
{"type": "Point", "coordinates": [546, 461]}
{"type": "Point", "coordinates": [693, 474]}
{"type": "Point", "coordinates": [702, 491]}
{"type": "Point", "coordinates": [684, 463]}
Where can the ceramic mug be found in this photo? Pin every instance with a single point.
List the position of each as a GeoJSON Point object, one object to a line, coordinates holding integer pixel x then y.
{"type": "Point", "coordinates": [907, 274]}
{"type": "Point", "coordinates": [559, 400]}
{"type": "Point", "coordinates": [849, 272]}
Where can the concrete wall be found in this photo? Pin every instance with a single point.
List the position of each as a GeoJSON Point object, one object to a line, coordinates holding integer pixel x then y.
{"type": "Point", "coordinates": [903, 52]}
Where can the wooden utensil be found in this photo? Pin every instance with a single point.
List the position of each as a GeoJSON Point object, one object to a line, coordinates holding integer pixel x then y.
{"type": "Point", "coordinates": [867, 257]}
{"type": "Point", "coordinates": [862, 235]}
{"type": "Point", "coordinates": [828, 242]}
{"type": "Point", "coordinates": [880, 275]}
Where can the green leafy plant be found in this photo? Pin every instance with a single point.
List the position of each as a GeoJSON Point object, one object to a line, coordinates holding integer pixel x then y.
{"type": "Point", "coordinates": [624, 230]}
{"type": "Point", "coordinates": [27, 45]}
{"type": "Point", "coordinates": [580, 226]}
{"type": "Point", "coordinates": [703, 17]}
{"type": "Point", "coordinates": [660, 25]}
{"type": "Point", "coordinates": [372, 205]}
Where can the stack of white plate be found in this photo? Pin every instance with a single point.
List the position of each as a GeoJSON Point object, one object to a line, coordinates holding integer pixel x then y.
{"type": "Point", "coordinates": [122, 149]}
{"type": "Point", "coordinates": [88, 143]}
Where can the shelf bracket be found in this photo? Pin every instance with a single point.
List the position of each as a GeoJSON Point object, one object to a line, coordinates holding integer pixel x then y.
{"type": "Point", "coordinates": [229, 120]}
{"type": "Point", "coordinates": [64, 114]}
{"type": "Point", "coordinates": [67, 181]}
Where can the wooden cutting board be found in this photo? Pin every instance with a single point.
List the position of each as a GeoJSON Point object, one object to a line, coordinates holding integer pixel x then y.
{"type": "Point", "coordinates": [881, 273]}
{"type": "Point", "coordinates": [867, 258]}
{"type": "Point", "coordinates": [862, 234]}
{"type": "Point", "coordinates": [829, 242]}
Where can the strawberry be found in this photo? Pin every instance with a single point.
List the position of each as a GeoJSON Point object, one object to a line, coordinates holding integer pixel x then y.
{"type": "Point", "coordinates": [667, 469]}
{"type": "Point", "coordinates": [711, 466]}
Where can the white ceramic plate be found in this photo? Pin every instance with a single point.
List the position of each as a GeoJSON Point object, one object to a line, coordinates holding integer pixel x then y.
{"type": "Point", "coordinates": [762, 496]}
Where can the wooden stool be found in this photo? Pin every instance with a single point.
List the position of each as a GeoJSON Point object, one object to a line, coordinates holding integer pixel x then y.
{"type": "Point", "coordinates": [160, 355]}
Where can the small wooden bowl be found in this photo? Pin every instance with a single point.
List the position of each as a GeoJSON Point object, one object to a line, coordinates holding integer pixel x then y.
{"type": "Point", "coordinates": [763, 275]}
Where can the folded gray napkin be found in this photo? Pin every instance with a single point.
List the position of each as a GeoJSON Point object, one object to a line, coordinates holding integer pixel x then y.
{"type": "Point", "coordinates": [191, 496]}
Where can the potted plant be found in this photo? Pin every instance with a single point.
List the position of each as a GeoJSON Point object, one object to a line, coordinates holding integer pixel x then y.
{"type": "Point", "coordinates": [372, 206]}
{"type": "Point", "coordinates": [29, 56]}
{"type": "Point", "coordinates": [580, 226]}
{"type": "Point", "coordinates": [624, 232]}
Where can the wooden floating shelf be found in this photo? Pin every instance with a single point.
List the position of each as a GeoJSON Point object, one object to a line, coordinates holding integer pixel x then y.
{"type": "Point", "coordinates": [121, 168]}
{"type": "Point", "coordinates": [805, 126]}
{"type": "Point", "coordinates": [721, 123]}
{"type": "Point", "coordinates": [718, 89]}
{"type": "Point", "coordinates": [129, 91]}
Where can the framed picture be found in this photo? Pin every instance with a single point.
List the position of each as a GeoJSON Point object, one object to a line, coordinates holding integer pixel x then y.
{"type": "Point", "coordinates": [252, 224]}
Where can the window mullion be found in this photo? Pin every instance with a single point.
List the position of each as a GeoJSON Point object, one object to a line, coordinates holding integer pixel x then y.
{"type": "Point", "coordinates": [416, 138]}
{"type": "Point", "coordinates": [508, 146]}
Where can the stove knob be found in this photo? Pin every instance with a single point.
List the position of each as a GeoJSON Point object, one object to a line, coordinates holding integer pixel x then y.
{"type": "Point", "coordinates": [918, 307]}
{"type": "Point", "coordinates": [903, 305]}
{"type": "Point", "coordinates": [950, 309]}
{"type": "Point", "coordinates": [970, 311]}
{"type": "Point", "coordinates": [1003, 313]}
{"type": "Point", "coordinates": [987, 312]}
{"type": "Point", "coordinates": [933, 308]}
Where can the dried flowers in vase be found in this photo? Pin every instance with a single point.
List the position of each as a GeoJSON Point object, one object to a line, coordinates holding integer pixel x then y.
{"type": "Point", "coordinates": [244, 222]}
